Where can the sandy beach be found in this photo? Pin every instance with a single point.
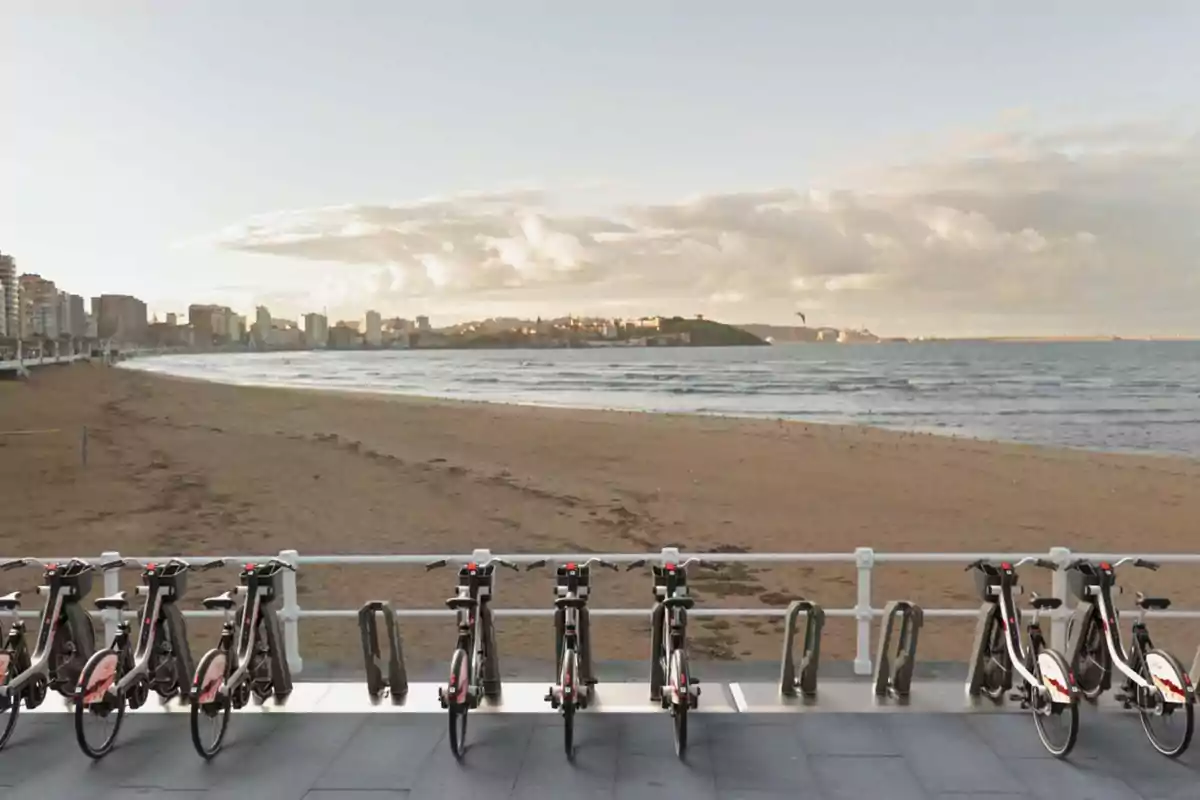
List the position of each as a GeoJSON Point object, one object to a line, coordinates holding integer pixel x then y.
{"type": "Point", "coordinates": [180, 467]}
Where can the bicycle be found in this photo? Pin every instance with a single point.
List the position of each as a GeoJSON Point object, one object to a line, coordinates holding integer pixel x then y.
{"type": "Point", "coordinates": [572, 643]}
{"type": "Point", "coordinates": [118, 676]}
{"type": "Point", "coordinates": [1154, 680]}
{"type": "Point", "coordinates": [65, 639]}
{"type": "Point", "coordinates": [476, 581]}
{"type": "Point", "coordinates": [683, 695]}
{"type": "Point", "coordinates": [1047, 686]}
{"type": "Point", "coordinates": [248, 658]}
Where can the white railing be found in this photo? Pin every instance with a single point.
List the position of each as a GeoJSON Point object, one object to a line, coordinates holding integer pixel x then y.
{"type": "Point", "coordinates": [863, 558]}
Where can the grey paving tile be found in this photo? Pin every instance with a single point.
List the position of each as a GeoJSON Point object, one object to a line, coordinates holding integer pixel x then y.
{"type": "Point", "coordinates": [593, 772]}
{"type": "Point", "coordinates": [1054, 779]}
{"type": "Point", "coordinates": [858, 777]}
{"type": "Point", "coordinates": [759, 757]}
{"type": "Point", "coordinates": [845, 735]}
{"type": "Point", "coordinates": [357, 794]}
{"type": "Point", "coordinates": [385, 754]}
{"type": "Point", "coordinates": [496, 749]}
{"type": "Point", "coordinates": [946, 755]}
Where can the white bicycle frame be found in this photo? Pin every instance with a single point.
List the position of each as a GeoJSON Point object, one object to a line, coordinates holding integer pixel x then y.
{"type": "Point", "coordinates": [247, 638]}
{"type": "Point", "coordinates": [1118, 655]}
{"type": "Point", "coordinates": [147, 637]}
{"type": "Point", "coordinates": [48, 627]}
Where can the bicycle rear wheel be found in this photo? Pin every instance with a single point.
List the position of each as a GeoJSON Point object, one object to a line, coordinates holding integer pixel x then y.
{"type": "Point", "coordinates": [458, 702]}
{"type": "Point", "coordinates": [1168, 725]}
{"type": "Point", "coordinates": [1057, 722]}
{"type": "Point", "coordinates": [95, 704]}
{"type": "Point", "coordinates": [1094, 660]}
{"type": "Point", "coordinates": [994, 661]}
{"type": "Point", "coordinates": [680, 701]}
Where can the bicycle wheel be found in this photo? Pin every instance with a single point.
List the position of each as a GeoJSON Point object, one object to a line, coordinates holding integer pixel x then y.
{"type": "Point", "coordinates": [209, 705]}
{"type": "Point", "coordinates": [1094, 660]}
{"type": "Point", "coordinates": [458, 702]}
{"type": "Point", "coordinates": [74, 643]}
{"type": "Point", "coordinates": [680, 700]}
{"type": "Point", "coordinates": [94, 703]}
{"type": "Point", "coordinates": [10, 706]}
{"type": "Point", "coordinates": [1168, 710]}
{"type": "Point", "coordinates": [1055, 711]}
{"type": "Point", "coordinates": [568, 683]}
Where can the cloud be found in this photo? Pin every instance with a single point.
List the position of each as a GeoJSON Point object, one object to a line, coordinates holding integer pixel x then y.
{"type": "Point", "coordinates": [1071, 228]}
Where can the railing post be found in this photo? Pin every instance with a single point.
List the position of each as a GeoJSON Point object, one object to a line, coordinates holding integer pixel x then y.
{"type": "Point", "coordinates": [290, 614]}
{"type": "Point", "coordinates": [864, 560]}
{"type": "Point", "coordinates": [112, 585]}
{"type": "Point", "coordinates": [1058, 587]}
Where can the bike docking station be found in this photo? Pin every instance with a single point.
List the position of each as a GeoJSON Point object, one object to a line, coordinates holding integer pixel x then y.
{"type": "Point", "coordinates": [395, 685]}
{"type": "Point", "coordinates": [897, 654]}
{"type": "Point", "coordinates": [805, 686]}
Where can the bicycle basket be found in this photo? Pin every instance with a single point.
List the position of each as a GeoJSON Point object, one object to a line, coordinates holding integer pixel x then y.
{"type": "Point", "coordinates": [1078, 583]}
{"type": "Point", "coordinates": [584, 582]}
{"type": "Point", "coordinates": [987, 586]}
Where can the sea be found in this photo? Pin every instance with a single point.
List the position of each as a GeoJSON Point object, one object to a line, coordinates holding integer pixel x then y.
{"type": "Point", "coordinates": [1113, 396]}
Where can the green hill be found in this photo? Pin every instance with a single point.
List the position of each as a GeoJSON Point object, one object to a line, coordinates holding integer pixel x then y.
{"type": "Point", "coordinates": [706, 333]}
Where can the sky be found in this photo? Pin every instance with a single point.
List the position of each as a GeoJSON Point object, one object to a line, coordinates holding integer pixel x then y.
{"type": "Point", "coordinates": [921, 168]}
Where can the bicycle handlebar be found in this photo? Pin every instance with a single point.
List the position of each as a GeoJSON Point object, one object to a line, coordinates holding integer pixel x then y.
{"type": "Point", "coordinates": [541, 562]}
{"type": "Point", "coordinates": [1137, 562]}
{"type": "Point", "coordinates": [1037, 561]}
{"type": "Point", "coordinates": [441, 562]}
{"type": "Point", "coordinates": [135, 562]}
{"type": "Point", "coordinates": [641, 562]}
{"type": "Point", "coordinates": [17, 563]}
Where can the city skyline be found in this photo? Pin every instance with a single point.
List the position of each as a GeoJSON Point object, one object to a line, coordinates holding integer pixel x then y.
{"type": "Point", "coordinates": [918, 170]}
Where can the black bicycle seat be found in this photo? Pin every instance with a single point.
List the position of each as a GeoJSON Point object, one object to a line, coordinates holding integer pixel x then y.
{"type": "Point", "coordinates": [1154, 603]}
{"type": "Point", "coordinates": [569, 602]}
{"type": "Point", "coordinates": [1046, 603]}
{"type": "Point", "coordinates": [225, 601]}
{"type": "Point", "coordinates": [679, 602]}
{"type": "Point", "coordinates": [117, 601]}
{"type": "Point", "coordinates": [461, 602]}
{"type": "Point", "coordinates": [10, 601]}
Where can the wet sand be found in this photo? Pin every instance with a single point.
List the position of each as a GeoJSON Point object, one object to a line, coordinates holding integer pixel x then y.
{"type": "Point", "coordinates": [180, 467]}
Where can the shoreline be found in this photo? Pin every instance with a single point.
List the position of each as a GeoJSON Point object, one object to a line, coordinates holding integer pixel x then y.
{"type": "Point", "coordinates": [186, 466]}
{"type": "Point", "coordinates": [748, 417]}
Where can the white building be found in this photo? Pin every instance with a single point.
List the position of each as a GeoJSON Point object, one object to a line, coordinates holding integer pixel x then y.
{"type": "Point", "coordinates": [316, 331]}
{"type": "Point", "coordinates": [374, 329]}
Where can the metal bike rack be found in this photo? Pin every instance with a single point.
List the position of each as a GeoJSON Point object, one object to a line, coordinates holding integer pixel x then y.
{"type": "Point", "coordinates": [491, 671]}
{"type": "Point", "coordinates": [975, 665]}
{"type": "Point", "coordinates": [281, 673]}
{"type": "Point", "coordinates": [657, 616]}
{"type": "Point", "coordinates": [396, 682]}
{"type": "Point", "coordinates": [584, 632]}
{"type": "Point", "coordinates": [810, 660]}
{"type": "Point", "coordinates": [893, 678]}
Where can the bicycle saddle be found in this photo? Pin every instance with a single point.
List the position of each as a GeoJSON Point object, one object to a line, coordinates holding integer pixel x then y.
{"type": "Point", "coordinates": [10, 601]}
{"type": "Point", "coordinates": [569, 602]}
{"type": "Point", "coordinates": [679, 602]}
{"type": "Point", "coordinates": [224, 601]}
{"type": "Point", "coordinates": [118, 601]}
{"type": "Point", "coordinates": [1045, 603]}
{"type": "Point", "coordinates": [461, 602]}
{"type": "Point", "coordinates": [1153, 603]}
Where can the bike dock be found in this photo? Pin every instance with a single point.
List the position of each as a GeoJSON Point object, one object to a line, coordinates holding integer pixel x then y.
{"type": "Point", "coordinates": [897, 654]}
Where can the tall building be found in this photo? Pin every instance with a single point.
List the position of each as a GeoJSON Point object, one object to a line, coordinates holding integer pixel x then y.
{"type": "Point", "coordinates": [316, 331]}
{"type": "Point", "coordinates": [210, 324]}
{"type": "Point", "coordinates": [423, 324]}
{"type": "Point", "coordinates": [10, 324]}
{"type": "Point", "coordinates": [374, 329]}
{"type": "Point", "coordinates": [39, 307]}
{"type": "Point", "coordinates": [121, 318]}
{"type": "Point", "coordinates": [72, 316]}
{"type": "Point", "coordinates": [261, 329]}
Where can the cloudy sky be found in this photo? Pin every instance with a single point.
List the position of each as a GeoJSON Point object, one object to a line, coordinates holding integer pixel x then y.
{"type": "Point", "coordinates": [919, 168]}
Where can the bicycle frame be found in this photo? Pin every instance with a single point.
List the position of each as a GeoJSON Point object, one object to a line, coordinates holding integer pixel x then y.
{"type": "Point", "coordinates": [1104, 612]}
{"type": "Point", "coordinates": [156, 592]}
{"type": "Point", "coordinates": [1012, 634]}
{"type": "Point", "coordinates": [58, 589]}
{"type": "Point", "coordinates": [248, 616]}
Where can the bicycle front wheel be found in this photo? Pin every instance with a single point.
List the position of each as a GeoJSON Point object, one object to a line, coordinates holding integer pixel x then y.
{"type": "Point", "coordinates": [569, 689]}
{"type": "Point", "coordinates": [210, 707]}
{"type": "Point", "coordinates": [458, 702]}
{"type": "Point", "coordinates": [10, 705]}
{"type": "Point", "coordinates": [99, 712]}
{"type": "Point", "coordinates": [680, 701]}
{"type": "Point", "coordinates": [1167, 715]}
{"type": "Point", "coordinates": [1055, 709]}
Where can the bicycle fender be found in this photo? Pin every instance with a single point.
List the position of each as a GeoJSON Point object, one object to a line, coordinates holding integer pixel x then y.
{"type": "Point", "coordinates": [208, 684]}
{"type": "Point", "coordinates": [1166, 678]}
{"type": "Point", "coordinates": [1054, 678]}
{"type": "Point", "coordinates": [102, 676]}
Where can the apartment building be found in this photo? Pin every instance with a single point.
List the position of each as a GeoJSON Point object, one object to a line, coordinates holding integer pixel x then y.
{"type": "Point", "coordinates": [120, 317]}
{"type": "Point", "coordinates": [72, 316]}
{"type": "Point", "coordinates": [373, 335]}
{"type": "Point", "coordinates": [10, 325]}
{"type": "Point", "coordinates": [210, 324]}
{"type": "Point", "coordinates": [316, 331]}
{"type": "Point", "coordinates": [38, 307]}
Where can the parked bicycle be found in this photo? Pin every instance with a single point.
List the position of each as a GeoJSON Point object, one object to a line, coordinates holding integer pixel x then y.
{"type": "Point", "coordinates": [572, 643]}
{"type": "Point", "coordinates": [249, 658]}
{"type": "Point", "coordinates": [1154, 680]}
{"type": "Point", "coordinates": [1047, 687]}
{"type": "Point", "coordinates": [682, 690]}
{"type": "Point", "coordinates": [65, 639]}
{"type": "Point", "coordinates": [120, 676]}
{"type": "Point", "coordinates": [468, 665]}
